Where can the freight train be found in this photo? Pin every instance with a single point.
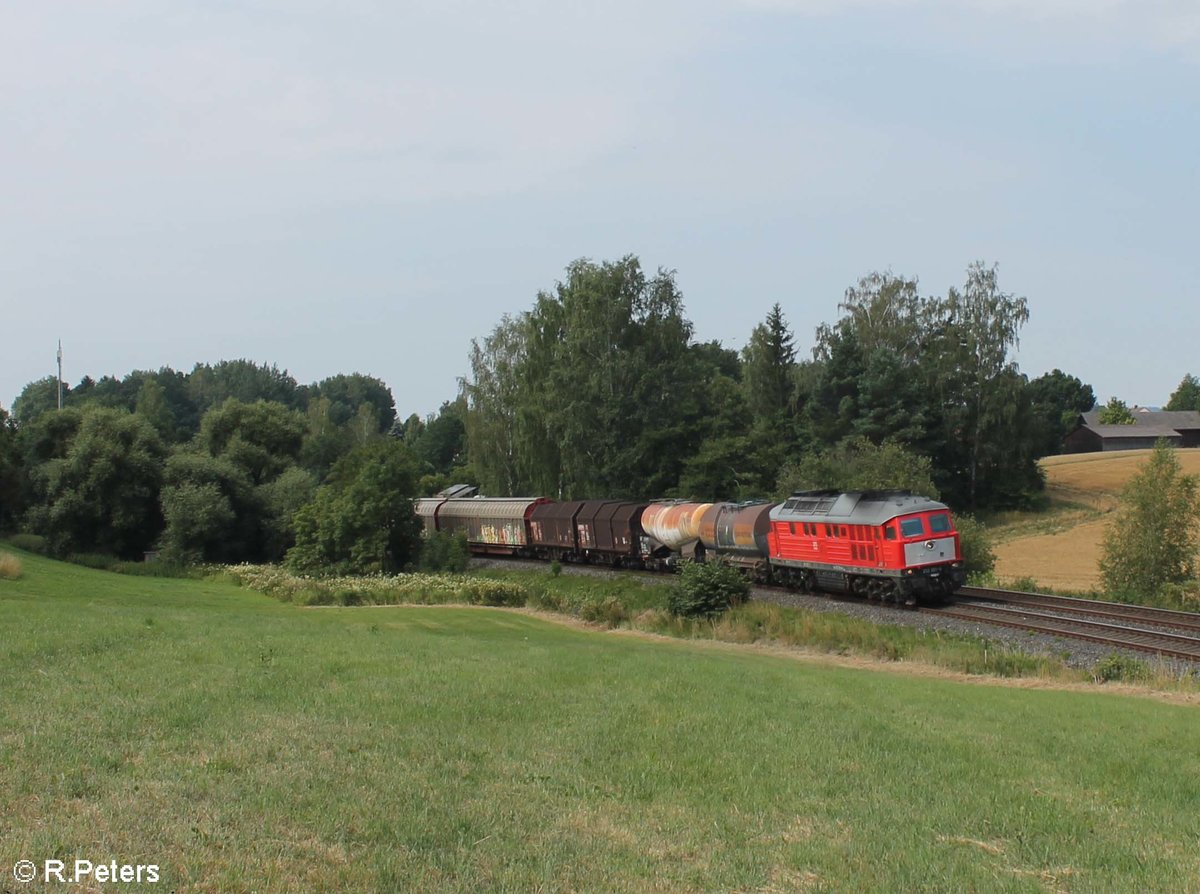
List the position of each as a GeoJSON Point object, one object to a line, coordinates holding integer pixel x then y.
{"type": "Point", "coordinates": [891, 546]}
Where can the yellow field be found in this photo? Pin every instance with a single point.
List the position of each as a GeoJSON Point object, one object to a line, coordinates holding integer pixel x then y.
{"type": "Point", "coordinates": [1061, 548]}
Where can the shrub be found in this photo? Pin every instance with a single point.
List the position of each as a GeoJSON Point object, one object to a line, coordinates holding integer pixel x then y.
{"type": "Point", "coordinates": [93, 560]}
{"type": "Point", "coordinates": [609, 611]}
{"type": "Point", "coordinates": [976, 545]}
{"type": "Point", "coordinates": [31, 543]}
{"type": "Point", "coordinates": [706, 589]}
{"type": "Point", "coordinates": [160, 568]}
{"type": "Point", "coordinates": [1114, 667]}
{"type": "Point", "coordinates": [1153, 539]}
{"type": "Point", "coordinates": [556, 568]}
{"type": "Point", "coordinates": [1024, 584]}
{"type": "Point", "coordinates": [10, 567]}
{"type": "Point", "coordinates": [443, 551]}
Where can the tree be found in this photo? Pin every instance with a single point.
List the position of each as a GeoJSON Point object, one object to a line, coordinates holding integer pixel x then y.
{"type": "Point", "coordinates": [37, 398]}
{"type": "Point", "coordinates": [858, 464]}
{"type": "Point", "coordinates": [440, 441]}
{"type": "Point", "coordinates": [101, 493]}
{"type": "Point", "coordinates": [347, 394]}
{"type": "Point", "coordinates": [1187, 395]}
{"type": "Point", "coordinates": [362, 519]}
{"type": "Point", "coordinates": [263, 438]}
{"type": "Point", "coordinates": [502, 437]}
{"type": "Point", "coordinates": [596, 390]}
{"type": "Point", "coordinates": [211, 509]}
{"type": "Point", "coordinates": [1116, 412]}
{"type": "Point", "coordinates": [869, 378]}
{"type": "Point", "coordinates": [972, 332]}
{"type": "Point", "coordinates": [198, 520]}
{"type": "Point", "coordinates": [1153, 540]}
{"type": "Point", "coordinates": [10, 472]}
{"type": "Point", "coordinates": [243, 462]}
{"type": "Point", "coordinates": [768, 361]}
{"type": "Point", "coordinates": [1056, 400]}
{"type": "Point", "coordinates": [621, 382]}
{"type": "Point", "coordinates": [152, 406]}
{"type": "Point", "coordinates": [281, 499]}
{"type": "Point", "coordinates": [244, 380]}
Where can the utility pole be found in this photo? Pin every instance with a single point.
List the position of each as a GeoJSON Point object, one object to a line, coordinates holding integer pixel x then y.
{"type": "Point", "coordinates": [60, 373]}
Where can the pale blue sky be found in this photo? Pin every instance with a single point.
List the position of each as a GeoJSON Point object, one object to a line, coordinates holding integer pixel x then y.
{"type": "Point", "coordinates": [367, 186]}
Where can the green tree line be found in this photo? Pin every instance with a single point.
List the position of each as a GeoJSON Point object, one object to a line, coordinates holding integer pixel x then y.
{"type": "Point", "coordinates": [599, 389]}
{"type": "Point", "coordinates": [233, 462]}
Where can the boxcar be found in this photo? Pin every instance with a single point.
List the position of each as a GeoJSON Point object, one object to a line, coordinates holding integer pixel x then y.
{"type": "Point", "coordinates": [498, 525]}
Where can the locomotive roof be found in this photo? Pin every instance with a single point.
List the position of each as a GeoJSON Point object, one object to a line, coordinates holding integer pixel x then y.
{"type": "Point", "coordinates": [854, 507]}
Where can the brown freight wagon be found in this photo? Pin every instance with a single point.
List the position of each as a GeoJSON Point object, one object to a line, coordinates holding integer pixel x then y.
{"type": "Point", "coordinates": [610, 532]}
{"type": "Point", "coordinates": [552, 532]}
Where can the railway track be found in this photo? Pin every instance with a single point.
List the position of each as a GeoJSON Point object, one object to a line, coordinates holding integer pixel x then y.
{"type": "Point", "coordinates": [1158, 631]}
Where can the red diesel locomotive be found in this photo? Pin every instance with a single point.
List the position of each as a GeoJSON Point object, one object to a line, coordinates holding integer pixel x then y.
{"type": "Point", "coordinates": [888, 545]}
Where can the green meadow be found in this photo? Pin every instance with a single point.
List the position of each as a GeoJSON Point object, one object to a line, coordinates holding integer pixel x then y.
{"type": "Point", "coordinates": [244, 744]}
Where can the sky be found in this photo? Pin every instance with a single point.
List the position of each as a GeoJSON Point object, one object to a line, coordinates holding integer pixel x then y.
{"type": "Point", "coordinates": [368, 186]}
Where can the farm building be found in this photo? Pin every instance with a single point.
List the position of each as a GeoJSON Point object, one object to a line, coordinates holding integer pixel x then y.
{"type": "Point", "coordinates": [1178, 428]}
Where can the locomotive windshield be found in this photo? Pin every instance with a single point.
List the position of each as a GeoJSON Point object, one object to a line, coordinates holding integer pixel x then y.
{"type": "Point", "coordinates": [940, 523]}
{"type": "Point", "coordinates": [912, 527]}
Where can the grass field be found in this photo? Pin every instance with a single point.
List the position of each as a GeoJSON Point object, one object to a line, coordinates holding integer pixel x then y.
{"type": "Point", "coordinates": [247, 745]}
{"type": "Point", "coordinates": [1061, 547]}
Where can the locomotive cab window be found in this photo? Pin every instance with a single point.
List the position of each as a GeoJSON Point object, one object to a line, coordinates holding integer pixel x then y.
{"type": "Point", "coordinates": [912, 527]}
{"type": "Point", "coordinates": [889, 532]}
{"type": "Point", "coordinates": [940, 523]}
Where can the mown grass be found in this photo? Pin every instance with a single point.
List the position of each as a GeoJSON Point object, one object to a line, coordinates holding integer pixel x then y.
{"type": "Point", "coordinates": [245, 744]}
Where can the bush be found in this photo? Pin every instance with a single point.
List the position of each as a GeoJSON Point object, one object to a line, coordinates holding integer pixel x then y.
{"type": "Point", "coordinates": [10, 567]}
{"type": "Point", "coordinates": [1153, 541]}
{"type": "Point", "coordinates": [93, 560]}
{"type": "Point", "coordinates": [609, 611]}
{"type": "Point", "coordinates": [160, 568]}
{"type": "Point", "coordinates": [443, 551]}
{"type": "Point", "coordinates": [976, 545]}
{"type": "Point", "coordinates": [31, 543]}
{"type": "Point", "coordinates": [706, 589]}
{"type": "Point", "coordinates": [1114, 667]}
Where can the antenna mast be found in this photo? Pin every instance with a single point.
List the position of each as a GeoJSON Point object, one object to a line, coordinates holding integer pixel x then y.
{"type": "Point", "coordinates": [60, 373]}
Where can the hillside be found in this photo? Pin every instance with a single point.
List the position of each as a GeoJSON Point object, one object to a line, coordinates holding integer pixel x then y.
{"type": "Point", "coordinates": [243, 744]}
{"type": "Point", "coordinates": [1061, 547]}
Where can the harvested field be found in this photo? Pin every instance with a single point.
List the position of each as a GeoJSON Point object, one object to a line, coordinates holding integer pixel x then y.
{"type": "Point", "coordinates": [1061, 548]}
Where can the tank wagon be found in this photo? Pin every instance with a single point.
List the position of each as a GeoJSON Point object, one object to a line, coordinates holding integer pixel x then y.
{"type": "Point", "coordinates": [891, 546]}
{"type": "Point", "coordinates": [738, 534]}
{"type": "Point", "coordinates": [672, 533]}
